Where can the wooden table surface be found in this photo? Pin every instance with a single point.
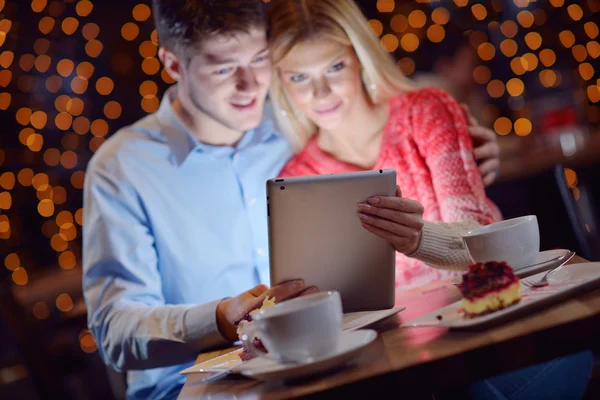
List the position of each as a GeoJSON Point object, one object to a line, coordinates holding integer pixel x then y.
{"type": "Point", "coordinates": [417, 361]}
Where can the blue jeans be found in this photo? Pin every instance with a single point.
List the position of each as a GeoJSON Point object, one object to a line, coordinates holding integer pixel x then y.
{"type": "Point", "coordinates": [564, 378]}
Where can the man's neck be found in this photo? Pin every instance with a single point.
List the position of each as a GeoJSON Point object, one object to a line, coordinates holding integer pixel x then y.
{"type": "Point", "coordinates": [205, 129]}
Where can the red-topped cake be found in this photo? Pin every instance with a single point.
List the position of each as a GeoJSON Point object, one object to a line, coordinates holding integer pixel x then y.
{"type": "Point", "coordinates": [489, 287]}
{"type": "Point", "coordinates": [242, 328]}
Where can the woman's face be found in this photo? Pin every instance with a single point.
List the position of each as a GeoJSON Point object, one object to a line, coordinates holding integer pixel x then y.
{"type": "Point", "coordinates": [322, 78]}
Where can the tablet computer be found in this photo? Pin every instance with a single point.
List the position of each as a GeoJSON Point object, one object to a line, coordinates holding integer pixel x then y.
{"type": "Point", "coordinates": [315, 234]}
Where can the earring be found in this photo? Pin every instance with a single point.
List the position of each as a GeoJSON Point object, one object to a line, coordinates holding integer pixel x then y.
{"type": "Point", "coordinates": [372, 88]}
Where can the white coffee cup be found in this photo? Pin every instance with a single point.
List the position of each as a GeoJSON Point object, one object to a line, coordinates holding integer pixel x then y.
{"type": "Point", "coordinates": [515, 241]}
{"type": "Point", "coordinates": [298, 330]}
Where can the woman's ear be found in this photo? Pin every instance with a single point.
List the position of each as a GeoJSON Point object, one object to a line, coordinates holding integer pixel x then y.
{"type": "Point", "coordinates": [172, 63]}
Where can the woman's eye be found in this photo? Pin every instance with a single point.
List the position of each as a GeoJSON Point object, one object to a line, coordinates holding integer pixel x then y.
{"type": "Point", "coordinates": [298, 78]}
{"type": "Point", "coordinates": [224, 71]}
{"type": "Point", "coordinates": [260, 59]}
{"type": "Point", "coordinates": [337, 67]}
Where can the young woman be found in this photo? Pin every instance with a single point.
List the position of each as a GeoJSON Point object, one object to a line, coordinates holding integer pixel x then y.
{"type": "Point", "coordinates": [345, 106]}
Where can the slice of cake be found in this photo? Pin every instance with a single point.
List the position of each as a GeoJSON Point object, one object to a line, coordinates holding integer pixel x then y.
{"type": "Point", "coordinates": [488, 287]}
{"type": "Point", "coordinates": [244, 323]}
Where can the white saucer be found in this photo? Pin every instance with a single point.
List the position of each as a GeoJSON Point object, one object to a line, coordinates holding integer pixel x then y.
{"type": "Point", "coordinates": [351, 344]}
{"type": "Point", "coordinates": [231, 361]}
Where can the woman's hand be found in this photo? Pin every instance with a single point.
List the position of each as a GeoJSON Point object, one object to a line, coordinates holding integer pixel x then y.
{"type": "Point", "coordinates": [395, 219]}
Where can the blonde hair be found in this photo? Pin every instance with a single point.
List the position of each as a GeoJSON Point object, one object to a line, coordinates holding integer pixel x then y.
{"type": "Point", "coordinates": [294, 21]}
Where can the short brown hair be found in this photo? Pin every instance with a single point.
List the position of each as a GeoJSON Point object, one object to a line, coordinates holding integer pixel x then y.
{"type": "Point", "coordinates": [183, 24]}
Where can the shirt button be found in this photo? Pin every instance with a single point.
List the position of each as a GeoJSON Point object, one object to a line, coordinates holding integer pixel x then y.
{"type": "Point", "coordinates": [252, 201]}
{"type": "Point", "coordinates": [260, 252]}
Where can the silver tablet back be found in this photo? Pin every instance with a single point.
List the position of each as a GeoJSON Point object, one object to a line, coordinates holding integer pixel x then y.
{"type": "Point", "coordinates": [315, 234]}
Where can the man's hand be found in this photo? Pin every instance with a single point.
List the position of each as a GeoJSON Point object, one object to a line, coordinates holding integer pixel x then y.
{"type": "Point", "coordinates": [395, 219]}
{"type": "Point", "coordinates": [486, 149]}
{"type": "Point", "coordinates": [231, 311]}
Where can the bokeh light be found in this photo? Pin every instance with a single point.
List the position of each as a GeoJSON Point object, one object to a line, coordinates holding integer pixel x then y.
{"type": "Point", "coordinates": [525, 18]}
{"type": "Point", "coordinates": [509, 28]}
{"type": "Point", "coordinates": [503, 126]}
{"type": "Point", "coordinates": [533, 40]}
{"type": "Point", "coordinates": [64, 302]}
{"type": "Point", "coordinates": [399, 23]}
{"type": "Point", "coordinates": [389, 43]}
{"type": "Point", "coordinates": [440, 16]}
{"type": "Point", "coordinates": [509, 47]}
{"type": "Point", "coordinates": [547, 57]}
{"type": "Point", "coordinates": [386, 6]}
{"type": "Point", "coordinates": [130, 31]}
{"type": "Point", "coordinates": [409, 42]}
{"type": "Point", "coordinates": [417, 19]}
{"type": "Point", "coordinates": [567, 38]}
{"type": "Point", "coordinates": [496, 88]}
{"type": "Point", "coordinates": [375, 25]}
{"type": "Point", "coordinates": [486, 51]}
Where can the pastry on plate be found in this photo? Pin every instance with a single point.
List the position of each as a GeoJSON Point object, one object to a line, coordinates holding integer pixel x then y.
{"type": "Point", "coordinates": [489, 287]}
{"type": "Point", "coordinates": [245, 323]}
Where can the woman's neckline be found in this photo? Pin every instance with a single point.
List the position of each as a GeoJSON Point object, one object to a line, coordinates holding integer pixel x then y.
{"type": "Point", "coordinates": [346, 165]}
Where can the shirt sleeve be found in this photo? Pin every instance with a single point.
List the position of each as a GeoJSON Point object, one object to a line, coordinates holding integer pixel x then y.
{"type": "Point", "coordinates": [127, 313]}
{"type": "Point", "coordinates": [441, 134]}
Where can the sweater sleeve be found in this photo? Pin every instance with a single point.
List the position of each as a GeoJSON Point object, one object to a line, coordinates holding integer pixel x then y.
{"type": "Point", "coordinates": [442, 246]}
{"type": "Point", "coordinates": [441, 134]}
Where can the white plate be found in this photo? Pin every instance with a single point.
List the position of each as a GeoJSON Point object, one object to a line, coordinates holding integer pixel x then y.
{"type": "Point", "coordinates": [352, 322]}
{"type": "Point", "coordinates": [544, 261]}
{"type": "Point", "coordinates": [359, 320]}
{"type": "Point", "coordinates": [565, 282]}
{"type": "Point", "coordinates": [351, 344]}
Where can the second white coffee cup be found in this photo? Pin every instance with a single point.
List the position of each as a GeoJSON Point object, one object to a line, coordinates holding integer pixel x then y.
{"type": "Point", "coordinates": [515, 241]}
{"type": "Point", "coordinates": [298, 330]}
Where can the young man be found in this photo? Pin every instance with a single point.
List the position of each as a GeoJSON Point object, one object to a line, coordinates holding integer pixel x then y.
{"type": "Point", "coordinates": [175, 213]}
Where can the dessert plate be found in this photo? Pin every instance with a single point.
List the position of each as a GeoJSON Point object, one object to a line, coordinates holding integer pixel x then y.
{"type": "Point", "coordinates": [350, 346]}
{"type": "Point", "coordinates": [544, 261]}
{"type": "Point", "coordinates": [352, 322]}
{"type": "Point", "coordinates": [565, 282]}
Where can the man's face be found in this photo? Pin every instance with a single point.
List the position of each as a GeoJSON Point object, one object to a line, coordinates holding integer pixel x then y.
{"type": "Point", "coordinates": [227, 80]}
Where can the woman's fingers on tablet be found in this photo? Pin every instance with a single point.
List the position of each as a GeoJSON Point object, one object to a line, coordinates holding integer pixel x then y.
{"type": "Point", "coordinates": [395, 203]}
{"type": "Point", "coordinates": [406, 244]}
{"type": "Point", "coordinates": [386, 224]}
{"type": "Point", "coordinates": [395, 219]}
{"type": "Point", "coordinates": [411, 220]}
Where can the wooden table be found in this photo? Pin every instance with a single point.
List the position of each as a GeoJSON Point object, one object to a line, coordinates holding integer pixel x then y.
{"type": "Point", "coordinates": [414, 362]}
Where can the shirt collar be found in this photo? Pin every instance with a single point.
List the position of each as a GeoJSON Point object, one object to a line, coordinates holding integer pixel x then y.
{"type": "Point", "coordinates": [182, 142]}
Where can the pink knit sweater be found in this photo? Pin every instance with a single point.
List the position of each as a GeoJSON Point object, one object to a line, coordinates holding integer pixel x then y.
{"type": "Point", "coordinates": [426, 141]}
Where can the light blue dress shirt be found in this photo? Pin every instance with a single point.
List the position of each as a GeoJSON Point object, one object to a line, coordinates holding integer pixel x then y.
{"type": "Point", "coordinates": [171, 227]}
